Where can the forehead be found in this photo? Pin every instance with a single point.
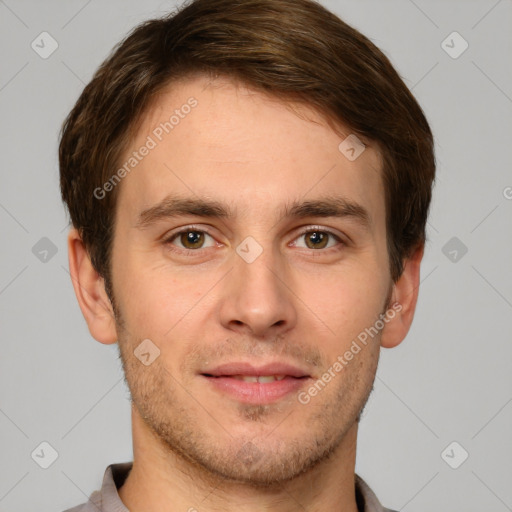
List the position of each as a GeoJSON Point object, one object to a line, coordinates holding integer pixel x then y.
{"type": "Point", "coordinates": [252, 151]}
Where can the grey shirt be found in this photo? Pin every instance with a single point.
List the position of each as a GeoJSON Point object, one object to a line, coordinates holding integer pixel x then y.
{"type": "Point", "coordinates": [107, 498]}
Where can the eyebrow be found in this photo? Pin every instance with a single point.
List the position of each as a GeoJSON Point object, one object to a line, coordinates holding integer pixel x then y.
{"type": "Point", "coordinates": [174, 206]}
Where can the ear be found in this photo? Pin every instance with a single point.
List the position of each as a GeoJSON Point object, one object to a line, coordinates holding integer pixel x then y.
{"type": "Point", "coordinates": [90, 291]}
{"type": "Point", "coordinates": [403, 301]}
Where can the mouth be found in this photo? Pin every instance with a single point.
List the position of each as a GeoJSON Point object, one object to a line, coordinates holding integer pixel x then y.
{"type": "Point", "coordinates": [256, 385]}
{"type": "Point", "coordinates": [256, 378]}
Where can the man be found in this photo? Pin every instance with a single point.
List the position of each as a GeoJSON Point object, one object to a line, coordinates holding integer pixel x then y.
{"type": "Point", "coordinates": [248, 183]}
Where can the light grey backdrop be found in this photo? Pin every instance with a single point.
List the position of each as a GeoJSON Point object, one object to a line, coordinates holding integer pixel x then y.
{"type": "Point", "coordinates": [449, 381]}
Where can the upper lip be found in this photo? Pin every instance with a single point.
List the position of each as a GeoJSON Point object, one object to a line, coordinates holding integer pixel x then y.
{"type": "Point", "coordinates": [241, 368]}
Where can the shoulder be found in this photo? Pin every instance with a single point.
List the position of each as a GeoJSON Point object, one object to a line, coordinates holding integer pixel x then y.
{"type": "Point", "coordinates": [78, 508]}
{"type": "Point", "coordinates": [366, 499]}
{"type": "Point", "coordinates": [107, 498]}
{"type": "Point", "coordinates": [93, 504]}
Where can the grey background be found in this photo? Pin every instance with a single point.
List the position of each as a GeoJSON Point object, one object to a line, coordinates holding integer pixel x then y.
{"type": "Point", "coordinates": [450, 380]}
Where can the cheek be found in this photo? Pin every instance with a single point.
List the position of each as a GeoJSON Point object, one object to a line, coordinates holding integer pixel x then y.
{"type": "Point", "coordinates": [343, 302]}
{"type": "Point", "coordinates": [161, 304]}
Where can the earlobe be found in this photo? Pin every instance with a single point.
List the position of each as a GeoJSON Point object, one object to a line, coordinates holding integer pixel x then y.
{"type": "Point", "coordinates": [90, 292]}
{"type": "Point", "coordinates": [403, 302]}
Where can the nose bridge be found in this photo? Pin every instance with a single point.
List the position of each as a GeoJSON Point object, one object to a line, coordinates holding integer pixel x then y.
{"type": "Point", "coordinates": [256, 298]}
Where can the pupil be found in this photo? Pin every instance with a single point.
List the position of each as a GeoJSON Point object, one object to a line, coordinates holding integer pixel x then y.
{"type": "Point", "coordinates": [317, 238]}
{"type": "Point", "coordinates": [193, 237]}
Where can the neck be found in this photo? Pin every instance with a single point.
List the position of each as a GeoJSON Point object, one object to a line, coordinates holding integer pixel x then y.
{"type": "Point", "coordinates": [162, 480]}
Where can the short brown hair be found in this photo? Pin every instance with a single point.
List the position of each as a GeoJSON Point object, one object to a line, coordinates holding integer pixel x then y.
{"type": "Point", "coordinates": [292, 49]}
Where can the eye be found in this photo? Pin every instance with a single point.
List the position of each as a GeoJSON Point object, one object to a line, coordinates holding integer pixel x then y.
{"type": "Point", "coordinates": [189, 239]}
{"type": "Point", "coordinates": [318, 239]}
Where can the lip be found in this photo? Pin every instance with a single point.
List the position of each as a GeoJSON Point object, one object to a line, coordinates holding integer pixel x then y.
{"type": "Point", "coordinates": [222, 380]}
{"type": "Point", "coordinates": [242, 368]}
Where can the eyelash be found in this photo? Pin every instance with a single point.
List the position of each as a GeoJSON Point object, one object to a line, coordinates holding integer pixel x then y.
{"type": "Point", "coordinates": [191, 252]}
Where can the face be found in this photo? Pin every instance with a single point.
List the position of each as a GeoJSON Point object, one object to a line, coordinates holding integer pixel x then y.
{"type": "Point", "coordinates": [248, 245]}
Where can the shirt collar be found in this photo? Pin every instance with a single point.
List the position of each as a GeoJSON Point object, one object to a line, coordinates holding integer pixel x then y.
{"type": "Point", "coordinates": [108, 500]}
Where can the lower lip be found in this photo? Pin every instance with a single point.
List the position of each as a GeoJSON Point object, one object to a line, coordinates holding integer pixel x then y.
{"type": "Point", "coordinates": [257, 392]}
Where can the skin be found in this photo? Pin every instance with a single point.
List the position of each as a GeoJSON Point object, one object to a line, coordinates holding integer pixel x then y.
{"type": "Point", "coordinates": [301, 301]}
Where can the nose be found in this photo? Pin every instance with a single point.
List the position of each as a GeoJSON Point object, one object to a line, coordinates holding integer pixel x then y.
{"type": "Point", "coordinates": [256, 299]}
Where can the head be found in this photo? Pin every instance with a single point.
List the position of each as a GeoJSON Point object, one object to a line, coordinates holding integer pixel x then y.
{"type": "Point", "coordinates": [217, 213]}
